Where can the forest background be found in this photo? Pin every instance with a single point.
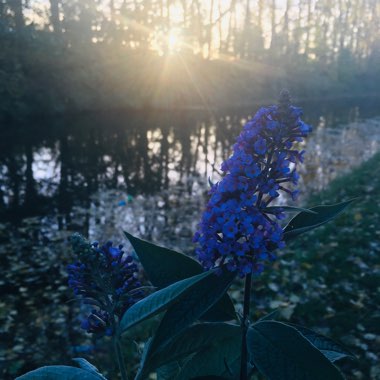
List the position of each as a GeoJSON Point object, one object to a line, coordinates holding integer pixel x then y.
{"type": "Point", "coordinates": [62, 56]}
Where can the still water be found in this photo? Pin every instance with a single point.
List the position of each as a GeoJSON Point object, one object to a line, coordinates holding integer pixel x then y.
{"type": "Point", "coordinates": [143, 172]}
{"type": "Point", "coordinates": [55, 166]}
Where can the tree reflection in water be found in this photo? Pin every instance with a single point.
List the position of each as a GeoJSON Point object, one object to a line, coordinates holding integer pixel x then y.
{"type": "Point", "coordinates": [51, 166]}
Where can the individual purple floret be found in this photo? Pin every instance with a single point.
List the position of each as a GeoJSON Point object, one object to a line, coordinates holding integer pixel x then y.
{"type": "Point", "coordinates": [105, 277]}
{"type": "Point", "coordinates": [236, 229]}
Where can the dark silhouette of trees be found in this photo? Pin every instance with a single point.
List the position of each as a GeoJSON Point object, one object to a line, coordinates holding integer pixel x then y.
{"type": "Point", "coordinates": [71, 54]}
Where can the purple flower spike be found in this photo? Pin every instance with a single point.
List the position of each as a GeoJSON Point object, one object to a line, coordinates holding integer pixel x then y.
{"type": "Point", "coordinates": [105, 277]}
{"type": "Point", "coordinates": [236, 229]}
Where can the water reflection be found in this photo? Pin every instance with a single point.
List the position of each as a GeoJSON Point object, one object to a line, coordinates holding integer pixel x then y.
{"type": "Point", "coordinates": [69, 165]}
{"type": "Point", "coordinates": [333, 151]}
{"type": "Point", "coordinates": [56, 166]}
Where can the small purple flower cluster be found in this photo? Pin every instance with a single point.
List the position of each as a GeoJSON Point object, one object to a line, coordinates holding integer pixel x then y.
{"type": "Point", "coordinates": [105, 277]}
{"type": "Point", "coordinates": [237, 229]}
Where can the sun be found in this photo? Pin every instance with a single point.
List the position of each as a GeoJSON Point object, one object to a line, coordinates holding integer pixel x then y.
{"type": "Point", "coordinates": [174, 41]}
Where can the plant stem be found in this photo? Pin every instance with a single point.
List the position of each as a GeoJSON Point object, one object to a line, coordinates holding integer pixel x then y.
{"type": "Point", "coordinates": [119, 356]}
{"type": "Point", "coordinates": [244, 327]}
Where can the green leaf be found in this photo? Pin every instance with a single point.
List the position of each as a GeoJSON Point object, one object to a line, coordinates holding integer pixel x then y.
{"type": "Point", "coordinates": [331, 349]}
{"type": "Point", "coordinates": [160, 300]}
{"type": "Point", "coordinates": [289, 209]}
{"type": "Point", "coordinates": [165, 267]}
{"type": "Point", "coordinates": [185, 312]}
{"type": "Point", "coordinates": [191, 340]}
{"type": "Point", "coordinates": [162, 265]}
{"type": "Point", "coordinates": [60, 372]}
{"type": "Point", "coordinates": [86, 365]}
{"type": "Point", "coordinates": [219, 360]}
{"type": "Point", "coordinates": [280, 352]}
{"type": "Point", "coordinates": [168, 371]}
{"type": "Point", "coordinates": [305, 221]}
{"type": "Point", "coordinates": [193, 305]}
{"type": "Point", "coordinates": [171, 370]}
{"type": "Point", "coordinates": [270, 316]}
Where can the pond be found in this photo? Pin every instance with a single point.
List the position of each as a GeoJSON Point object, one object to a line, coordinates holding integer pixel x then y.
{"type": "Point", "coordinates": [53, 165]}
{"type": "Point", "coordinates": [145, 172]}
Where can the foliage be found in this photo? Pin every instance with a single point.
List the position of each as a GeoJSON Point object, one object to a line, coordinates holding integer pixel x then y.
{"type": "Point", "coordinates": [331, 285]}
{"type": "Point", "coordinates": [354, 243]}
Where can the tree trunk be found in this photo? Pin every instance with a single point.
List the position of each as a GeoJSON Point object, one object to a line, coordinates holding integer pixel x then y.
{"type": "Point", "coordinates": [273, 24]}
{"type": "Point", "coordinates": [54, 17]}
{"type": "Point", "coordinates": [16, 6]}
{"type": "Point", "coordinates": [209, 30]}
{"type": "Point", "coordinates": [308, 29]}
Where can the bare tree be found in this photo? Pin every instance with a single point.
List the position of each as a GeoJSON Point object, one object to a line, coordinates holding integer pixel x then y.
{"type": "Point", "coordinates": [54, 16]}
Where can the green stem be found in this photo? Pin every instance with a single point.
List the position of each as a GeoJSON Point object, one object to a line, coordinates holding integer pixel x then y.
{"type": "Point", "coordinates": [119, 356]}
{"type": "Point", "coordinates": [244, 327]}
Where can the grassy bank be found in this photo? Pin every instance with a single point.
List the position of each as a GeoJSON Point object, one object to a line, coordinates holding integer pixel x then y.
{"type": "Point", "coordinates": [330, 279]}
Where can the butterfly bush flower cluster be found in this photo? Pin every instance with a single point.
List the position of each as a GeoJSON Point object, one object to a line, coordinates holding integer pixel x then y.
{"type": "Point", "coordinates": [238, 229]}
{"type": "Point", "coordinates": [106, 278]}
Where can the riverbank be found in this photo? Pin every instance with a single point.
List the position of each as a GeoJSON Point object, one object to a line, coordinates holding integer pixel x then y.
{"type": "Point", "coordinates": [329, 280]}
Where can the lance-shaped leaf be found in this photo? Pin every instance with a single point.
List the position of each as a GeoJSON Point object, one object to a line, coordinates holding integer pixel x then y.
{"type": "Point", "coordinates": [221, 360]}
{"type": "Point", "coordinates": [270, 316]}
{"type": "Point", "coordinates": [160, 300]}
{"type": "Point", "coordinates": [305, 221]}
{"type": "Point", "coordinates": [86, 365]}
{"type": "Point", "coordinates": [165, 266]}
{"type": "Point", "coordinates": [192, 340]}
{"type": "Point", "coordinates": [280, 352]}
{"type": "Point", "coordinates": [60, 372]}
{"type": "Point", "coordinates": [185, 312]}
{"type": "Point", "coordinates": [171, 370]}
{"type": "Point", "coordinates": [288, 209]}
{"type": "Point", "coordinates": [331, 349]}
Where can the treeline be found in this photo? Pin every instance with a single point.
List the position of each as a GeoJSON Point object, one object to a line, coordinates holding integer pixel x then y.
{"type": "Point", "coordinates": [71, 55]}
